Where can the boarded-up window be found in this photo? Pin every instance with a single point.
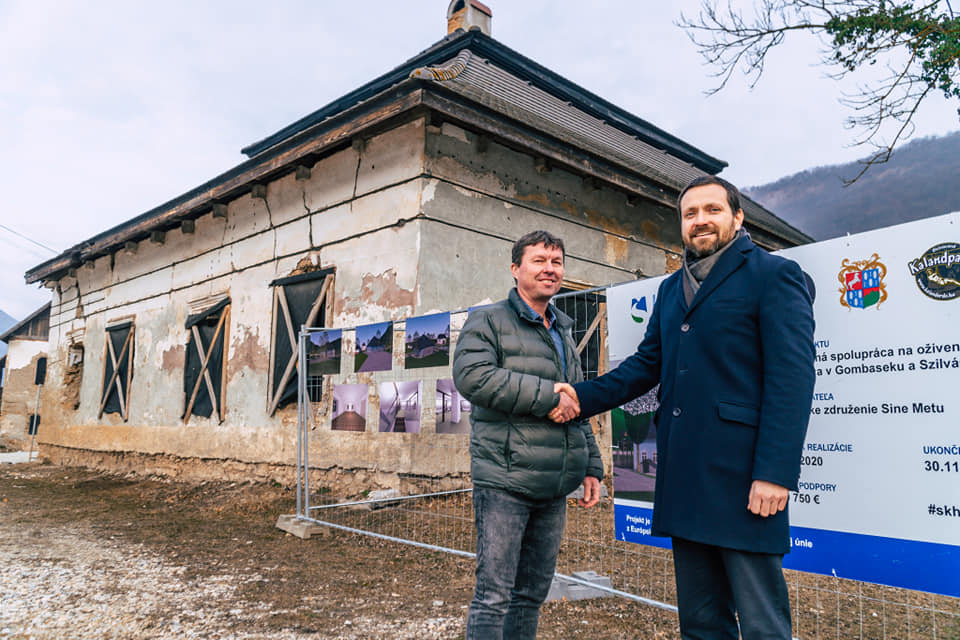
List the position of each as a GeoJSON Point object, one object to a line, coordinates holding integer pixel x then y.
{"type": "Point", "coordinates": [206, 361]}
{"type": "Point", "coordinates": [117, 370]}
{"type": "Point", "coordinates": [297, 301]}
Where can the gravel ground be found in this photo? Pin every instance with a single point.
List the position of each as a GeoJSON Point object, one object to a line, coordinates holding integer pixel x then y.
{"type": "Point", "coordinates": [93, 556]}
{"type": "Point", "coordinates": [66, 579]}
{"type": "Point", "coordinates": [85, 555]}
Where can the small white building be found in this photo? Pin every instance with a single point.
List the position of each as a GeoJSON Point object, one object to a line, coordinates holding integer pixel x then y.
{"type": "Point", "coordinates": [22, 374]}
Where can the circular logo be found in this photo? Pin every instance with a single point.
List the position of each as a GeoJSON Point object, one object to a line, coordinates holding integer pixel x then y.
{"type": "Point", "coordinates": [937, 271]}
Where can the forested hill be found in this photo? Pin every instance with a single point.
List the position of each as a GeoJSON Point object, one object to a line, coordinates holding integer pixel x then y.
{"type": "Point", "coordinates": [922, 179]}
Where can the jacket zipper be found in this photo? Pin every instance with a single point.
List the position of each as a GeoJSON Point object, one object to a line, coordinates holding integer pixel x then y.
{"type": "Point", "coordinates": [553, 348]}
{"type": "Point", "coordinates": [566, 427]}
{"type": "Point", "coordinates": [506, 446]}
{"type": "Point", "coordinates": [563, 465]}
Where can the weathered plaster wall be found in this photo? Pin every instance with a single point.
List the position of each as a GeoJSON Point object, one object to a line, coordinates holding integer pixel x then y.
{"type": "Point", "coordinates": [19, 391]}
{"type": "Point", "coordinates": [497, 194]}
{"type": "Point", "coordinates": [481, 196]}
{"type": "Point", "coordinates": [414, 220]}
{"type": "Point", "coordinates": [352, 213]}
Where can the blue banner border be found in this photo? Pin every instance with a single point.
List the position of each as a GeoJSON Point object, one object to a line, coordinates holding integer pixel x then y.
{"type": "Point", "coordinates": [908, 564]}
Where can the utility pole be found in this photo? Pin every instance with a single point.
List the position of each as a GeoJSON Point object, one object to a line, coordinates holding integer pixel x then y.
{"type": "Point", "coordinates": [38, 380]}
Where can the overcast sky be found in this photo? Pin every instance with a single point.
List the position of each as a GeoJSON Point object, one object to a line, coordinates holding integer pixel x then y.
{"type": "Point", "coordinates": [110, 108]}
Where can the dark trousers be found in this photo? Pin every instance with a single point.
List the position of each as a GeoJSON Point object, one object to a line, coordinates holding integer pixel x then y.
{"type": "Point", "coordinates": [518, 540]}
{"type": "Point", "coordinates": [716, 586]}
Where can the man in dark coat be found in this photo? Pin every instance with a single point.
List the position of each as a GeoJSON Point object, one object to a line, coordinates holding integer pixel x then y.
{"type": "Point", "coordinates": [509, 356]}
{"type": "Point", "coordinates": [730, 342]}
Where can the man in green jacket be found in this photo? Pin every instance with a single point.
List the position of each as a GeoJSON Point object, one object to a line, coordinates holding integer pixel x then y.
{"type": "Point", "coordinates": [523, 465]}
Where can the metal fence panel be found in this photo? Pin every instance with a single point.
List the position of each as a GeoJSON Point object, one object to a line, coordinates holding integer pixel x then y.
{"type": "Point", "coordinates": [437, 513]}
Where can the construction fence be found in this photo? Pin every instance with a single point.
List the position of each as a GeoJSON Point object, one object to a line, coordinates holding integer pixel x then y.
{"type": "Point", "coordinates": [384, 453]}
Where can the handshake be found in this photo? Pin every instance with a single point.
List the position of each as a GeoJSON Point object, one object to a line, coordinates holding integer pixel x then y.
{"type": "Point", "coordinates": [569, 407]}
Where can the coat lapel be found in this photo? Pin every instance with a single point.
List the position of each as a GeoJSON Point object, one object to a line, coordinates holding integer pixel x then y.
{"type": "Point", "coordinates": [729, 262]}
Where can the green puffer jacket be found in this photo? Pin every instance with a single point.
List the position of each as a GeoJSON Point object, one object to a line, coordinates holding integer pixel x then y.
{"type": "Point", "coordinates": [506, 365]}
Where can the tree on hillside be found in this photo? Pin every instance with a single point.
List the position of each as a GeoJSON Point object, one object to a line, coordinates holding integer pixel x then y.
{"type": "Point", "coordinates": [917, 43]}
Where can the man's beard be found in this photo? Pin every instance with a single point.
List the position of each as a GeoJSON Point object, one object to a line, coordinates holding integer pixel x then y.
{"type": "Point", "coordinates": [713, 247]}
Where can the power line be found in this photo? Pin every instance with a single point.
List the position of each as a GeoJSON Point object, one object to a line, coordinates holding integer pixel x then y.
{"type": "Point", "coordinates": [39, 244]}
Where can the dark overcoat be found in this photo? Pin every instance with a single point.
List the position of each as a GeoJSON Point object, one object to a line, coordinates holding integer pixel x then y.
{"type": "Point", "coordinates": [736, 375]}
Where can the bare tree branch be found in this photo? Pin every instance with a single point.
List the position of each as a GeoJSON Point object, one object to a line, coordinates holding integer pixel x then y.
{"type": "Point", "coordinates": [919, 46]}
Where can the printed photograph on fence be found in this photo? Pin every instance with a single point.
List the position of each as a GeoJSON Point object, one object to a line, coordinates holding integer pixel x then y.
{"type": "Point", "coordinates": [374, 347]}
{"type": "Point", "coordinates": [323, 352]}
{"type": "Point", "coordinates": [453, 410]}
{"type": "Point", "coordinates": [428, 341]}
{"type": "Point", "coordinates": [400, 406]}
{"type": "Point", "coordinates": [350, 407]}
{"type": "Point", "coordinates": [635, 449]}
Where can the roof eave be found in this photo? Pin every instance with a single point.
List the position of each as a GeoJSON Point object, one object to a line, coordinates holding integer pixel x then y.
{"type": "Point", "coordinates": [9, 332]}
{"type": "Point", "coordinates": [236, 181]}
{"type": "Point", "coordinates": [794, 235]}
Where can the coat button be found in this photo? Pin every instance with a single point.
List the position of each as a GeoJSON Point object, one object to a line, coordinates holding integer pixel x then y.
{"type": "Point", "coordinates": [677, 412]}
{"type": "Point", "coordinates": [685, 327]}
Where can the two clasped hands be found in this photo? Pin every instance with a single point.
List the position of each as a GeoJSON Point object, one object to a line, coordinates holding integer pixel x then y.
{"type": "Point", "coordinates": [567, 410]}
{"type": "Point", "coordinates": [765, 498]}
{"type": "Point", "coordinates": [569, 407]}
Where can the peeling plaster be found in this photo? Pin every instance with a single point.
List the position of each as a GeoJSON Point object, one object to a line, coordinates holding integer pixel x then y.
{"type": "Point", "coordinates": [22, 354]}
{"type": "Point", "coordinates": [428, 192]}
{"type": "Point", "coordinates": [174, 359]}
{"type": "Point", "coordinates": [673, 262]}
{"type": "Point", "coordinates": [616, 250]}
{"type": "Point", "coordinates": [543, 200]}
{"type": "Point", "coordinates": [166, 345]}
{"type": "Point", "coordinates": [608, 224]}
{"type": "Point", "coordinates": [468, 193]}
{"type": "Point", "coordinates": [651, 232]}
{"type": "Point", "coordinates": [307, 264]}
{"type": "Point", "coordinates": [246, 351]}
{"type": "Point", "coordinates": [382, 290]}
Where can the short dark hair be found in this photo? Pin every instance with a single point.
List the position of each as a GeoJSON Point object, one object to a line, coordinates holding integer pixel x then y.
{"type": "Point", "coordinates": [733, 194]}
{"type": "Point", "coordinates": [533, 238]}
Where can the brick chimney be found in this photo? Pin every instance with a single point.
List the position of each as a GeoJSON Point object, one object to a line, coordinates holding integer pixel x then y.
{"type": "Point", "coordinates": [468, 14]}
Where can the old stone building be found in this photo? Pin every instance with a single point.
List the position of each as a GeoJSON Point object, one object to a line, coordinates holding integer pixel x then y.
{"type": "Point", "coordinates": [400, 198]}
{"type": "Point", "coordinates": [22, 372]}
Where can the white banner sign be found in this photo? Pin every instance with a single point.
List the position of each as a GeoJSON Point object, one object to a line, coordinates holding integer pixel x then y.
{"type": "Point", "coordinates": [879, 495]}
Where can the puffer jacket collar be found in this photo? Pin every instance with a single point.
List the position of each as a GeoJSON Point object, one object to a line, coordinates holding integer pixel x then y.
{"type": "Point", "coordinates": [526, 313]}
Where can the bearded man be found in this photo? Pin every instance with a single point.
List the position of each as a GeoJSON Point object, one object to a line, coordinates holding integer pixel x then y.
{"type": "Point", "coordinates": [730, 342]}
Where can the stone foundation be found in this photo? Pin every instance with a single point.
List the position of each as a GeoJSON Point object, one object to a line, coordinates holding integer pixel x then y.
{"type": "Point", "coordinates": [337, 482]}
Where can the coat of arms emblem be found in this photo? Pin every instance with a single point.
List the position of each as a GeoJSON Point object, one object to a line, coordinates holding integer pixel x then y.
{"type": "Point", "coordinates": [862, 283]}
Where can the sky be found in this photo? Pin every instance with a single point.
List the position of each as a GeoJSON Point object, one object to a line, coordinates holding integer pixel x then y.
{"type": "Point", "coordinates": [110, 108]}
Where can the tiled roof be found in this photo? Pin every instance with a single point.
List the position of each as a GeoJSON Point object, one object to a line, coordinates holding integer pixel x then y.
{"type": "Point", "coordinates": [486, 83]}
{"type": "Point", "coordinates": [522, 68]}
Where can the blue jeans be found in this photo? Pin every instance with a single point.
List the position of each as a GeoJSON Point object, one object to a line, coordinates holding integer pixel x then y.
{"type": "Point", "coordinates": [518, 540]}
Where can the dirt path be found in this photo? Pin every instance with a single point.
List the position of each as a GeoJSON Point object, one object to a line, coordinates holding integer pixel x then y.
{"type": "Point", "coordinates": [87, 555]}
